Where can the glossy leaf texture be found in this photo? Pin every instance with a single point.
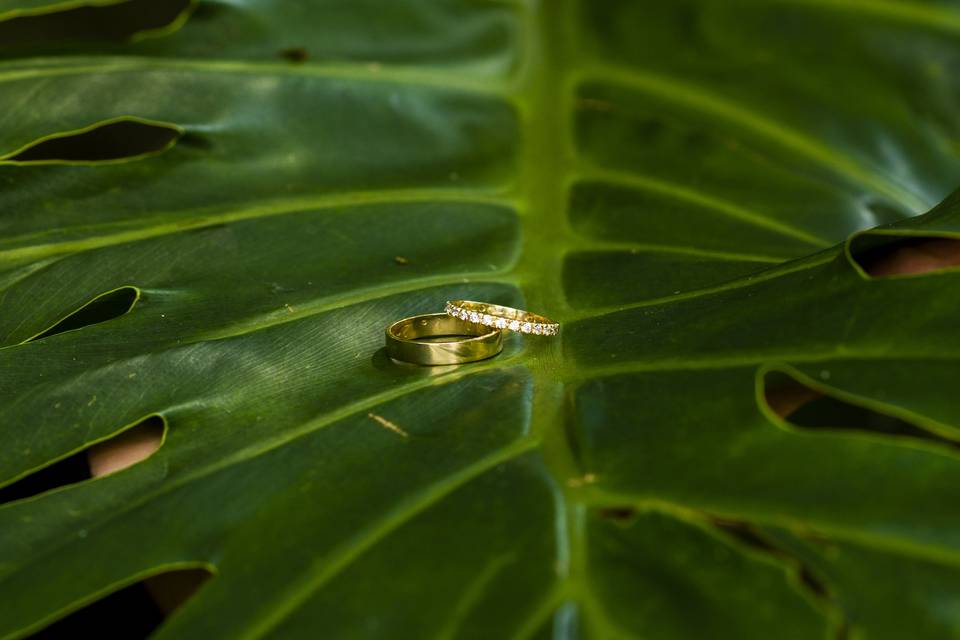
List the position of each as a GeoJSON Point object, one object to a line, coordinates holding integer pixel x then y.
{"type": "Point", "coordinates": [246, 193]}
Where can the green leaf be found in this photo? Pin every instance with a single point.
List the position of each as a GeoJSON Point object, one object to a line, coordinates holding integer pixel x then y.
{"type": "Point", "coordinates": [680, 184]}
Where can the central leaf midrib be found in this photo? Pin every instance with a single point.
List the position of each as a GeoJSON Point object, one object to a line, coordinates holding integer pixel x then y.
{"type": "Point", "coordinates": [545, 108]}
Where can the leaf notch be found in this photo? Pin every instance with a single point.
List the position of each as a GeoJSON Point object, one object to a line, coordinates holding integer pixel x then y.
{"type": "Point", "coordinates": [887, 254]}
{"type": "Point", "coordinates": [134, 610]}
{"type": "Point", "coordinates": [811, 406]}
{"type": "Point", "coordinates": [88, 21]}
{"type": "Point", "coordinates": [115, 140]}
{"type": "Point", "coordinates": [104, 307]}
{"type": "Point", "coordinates": [747, 536]}
{"type": "Point", "coordinates": [139, 441]}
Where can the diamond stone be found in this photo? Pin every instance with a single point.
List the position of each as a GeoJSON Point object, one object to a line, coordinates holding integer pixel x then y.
{"type": "Point", "coordinates": [500, 323]}
{"type": "Point", "coordinates": [538, 329]}
{"type": "Point", "coordinates": [463, 315]}
{"type": "Point", "coordinates": [514, 325]}
{"type": "Point", "coordinates": [526, 327]}
{"type": "Point", "coordinates": [474, 316]}
{"type": "Point", "coordinates": [488, 320]}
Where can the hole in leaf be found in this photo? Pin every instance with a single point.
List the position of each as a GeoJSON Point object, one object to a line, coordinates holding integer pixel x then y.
{"type": "Point", "coordinates": [127, 447]}
{"type": "Point", "coordinates": [135, 611]}
{"type": "Point", "coordinates": [59, 474]}
{"type": "Point", "coordinates": [811, 582]}
{"type": "Point", "coordinates": [295, 54]}
{"type": "Point", "coordinates": [621, 515]}
{"type": "Point", "coordinates": [171, 589]}
{"type": "Point", "coordinates": [118, 140]}
{"type": "Point", "coordinates": [809, 408]}
{"type": "Point", "coordinates": [122, 450]}
{"type": "Point", "coordinates": [784, 395]}
{"type": "Point", "coordinates": [118, 22]}
{"type": "Point", "coordinates": [107, 306]}
{"type": "Point", "coordinates": [881, 255]}
{"type": "Point", "coordinates": [748, 535]}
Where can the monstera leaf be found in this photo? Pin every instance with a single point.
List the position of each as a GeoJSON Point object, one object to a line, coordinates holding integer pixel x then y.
{"type": "Point", "coordinates": [210, 212]}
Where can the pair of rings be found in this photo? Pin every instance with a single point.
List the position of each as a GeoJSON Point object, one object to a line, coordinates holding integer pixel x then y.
{"type": "Point", "coordinates": [470, 331]}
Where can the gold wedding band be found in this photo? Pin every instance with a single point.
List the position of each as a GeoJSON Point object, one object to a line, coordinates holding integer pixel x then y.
{"type": "Point", "coordinates": [500, 317]}
{"type": "Point", "coordinates": [405, 340]}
